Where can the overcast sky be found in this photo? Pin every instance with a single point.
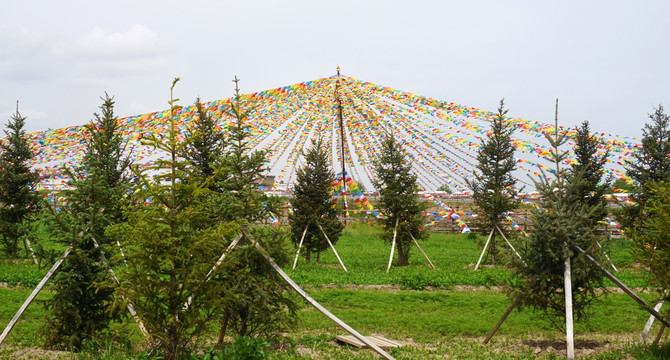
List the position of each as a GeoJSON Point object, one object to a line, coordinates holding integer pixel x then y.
{"type": "Point", "coordinates": [607, 61]}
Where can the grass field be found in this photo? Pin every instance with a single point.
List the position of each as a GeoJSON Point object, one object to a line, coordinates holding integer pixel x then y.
{"type": "Point", "coordinates": [441, 313]}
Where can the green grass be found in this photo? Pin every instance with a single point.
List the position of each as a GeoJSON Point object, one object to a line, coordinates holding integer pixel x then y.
{"type": "Point", "coordinates": [366, 257]}
{"type": "Point", "coordinates": [422, 307]}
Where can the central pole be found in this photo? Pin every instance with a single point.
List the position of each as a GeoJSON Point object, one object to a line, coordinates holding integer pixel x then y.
{"type": "Point", "coordinates": [344, 173]}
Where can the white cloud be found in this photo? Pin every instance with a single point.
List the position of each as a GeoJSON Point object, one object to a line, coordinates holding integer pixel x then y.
{"type": "Point", "coordinates": [137, 42]}
{"type": "Point", "coordinates": [25, 55]}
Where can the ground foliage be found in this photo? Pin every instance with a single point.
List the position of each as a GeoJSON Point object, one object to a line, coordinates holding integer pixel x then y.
{"type": "Point", "coordinates": [312, 203]}
{"type": "Point", "coordinates": [494, 187]}
{"type": "Point", "coordinates": [17, 185]}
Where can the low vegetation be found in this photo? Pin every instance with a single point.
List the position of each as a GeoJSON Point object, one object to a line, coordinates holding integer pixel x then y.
{"type": "Point", "coordinates": [441, 313]}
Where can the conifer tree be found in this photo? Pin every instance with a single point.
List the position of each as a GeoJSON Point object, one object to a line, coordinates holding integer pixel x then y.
{"type": "Point", "coordinates": [493, 189]}
{"type": "Point", "coordinates": [650, 164]}
{"type": "Point", "coordinates": [171, 241]}
{"type": "Point", "coordinates": [312, 203]}
{"type": "Point", "coordinates": [206, 142]}
{"type": "Point", "coordinates": [562, 222]}
{"type": "Point", "coordinates": [652, 237]}
{"type": "Point", "coordinates": [78, 309]}
{"type": "Point", "coordinates": [646, 222]}
{"type": "Point", "coordinates": [398, 200]}
{"type": "Point", "coordinates": [589, 168]}
{"type": "Point", "coordinates": [18, 197]}
{"type": "Point", "coordinates": [262, 304]}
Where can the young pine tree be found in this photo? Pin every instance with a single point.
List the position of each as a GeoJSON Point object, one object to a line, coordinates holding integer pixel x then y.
{"type": "Point", "coordinates": [493, 189]}
{"type": "Point", "coordinates": [650, 164]}
{"type": "Point", "coordinates": [588, 171]}
{"type": "Point", "coordinates": [398, 198]}
{"type": "Point", "coordinates": [78, 310]}
{"type": "Point", "coordinates": [312, 203]}
{"type": "Point", "coordinates": [206, 142]}
{"type": "Point", "coordinates": [171, 241]}
{"type": "Point", "coordinates": [262, 304]}
{"type": "Point", "coordinates": [18, 198]}
{"type": "Point", "coordinates": [562, 222]}
{"type": "Point", "coordinates": [652, 237]}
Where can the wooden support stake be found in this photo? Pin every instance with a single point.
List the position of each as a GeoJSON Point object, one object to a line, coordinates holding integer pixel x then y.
{"type": "Point", "coordinates": [297, 253]}
{"type": "Point", "coordinates": [607, 257]}
{"type": "Point", "coordinates": [484, 251]}
{"type": "Point", "coordinates": [232, 245]}
{"type": "Point", "coordinates": [569, 331]}
{"type": "Point", "coordinates": [423, 252]}
{"type": "Point", "coordinates": [131, 308]}
{"type": "Point", "coordinates": [626, 289]}
{"type": "Point", "coordinates": [33, 295]}
{"type": "Point", "coordinates": [502, 319]}
{"type": "Point", "coordinates": [333, 247]}
{"type": "Point", "coordinates": [313, 302]}
{"type": "Point", "coordinates": [510, 245]}
{"type": "Point", "coordinates": [660, 334]}
{"type": "Point", "coordinates": [650, 322]}
{"type": "Point", "coordinates": [32, 251]}
{"type": "Point", "coordinates": [395, 232]}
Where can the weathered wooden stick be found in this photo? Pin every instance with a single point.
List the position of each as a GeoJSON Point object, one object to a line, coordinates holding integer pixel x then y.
{"type": "Point", "coordinates": [650, 322]}
{"type": "Point", "coordinates": [297, 253]}
{"type": "Point", "coordinates": [660, 334]}
{"type": "Point", "coordinates": [607, 257]}
{"type": "Point", "coordinates": [484, 251]}
{"type": "Point", "coordinates": [510, 244]}
{"type": "Point", "coordinates": [626, 289]}
{"type": "Point", "coordinates": [502, 319]}
{"type": "Point", "coordinates": [569, 331]}
{"type": "Point", "coordinates": [333, 247]}
{"type": "Point", "coordinates": [313, 302]}
{"type": "Point", "coordinates": [131, 308]}
{"type": "Point", "coordinates": [232, 245]}
{"type": "Point", "coordinates": [32, 251]}
{"type": "Point", "coordinates": [33, 295]}
{"type": "Point", "coordinates": [395, 232]}
{"type": "Point", "coordinates": [423, 252]}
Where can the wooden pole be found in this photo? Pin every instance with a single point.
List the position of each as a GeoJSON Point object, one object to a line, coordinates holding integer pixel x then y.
{"type": "Point", "coordinates": [333, 247]}
{"type": "Point", "coordinates": [607, 257]}
{"type": "Point", "coordinates": [569, 331]}
{"type": "Point", "coordinates": [502, 319]}
{"type": "Point", "coordinates": [510, 245]}
{"type": "Point", "coordinates": [626, 289]}
{"type": "Point", "coordinates": [33, 295]}
{"type": "Point", "coordinates": [423, 252]}
{"type": "Point", "coordinates": [131, 308]}
{"type": "Point", "coordinates": [32, 251]}
{"type": "Point", "coordinates": [660, 334]}
{"type": "Point", "coordinates": [313, 302]}
{"type": "Point", "coordinates": [395, 232]}
{"type": "Point", "coordinates": [650, 322]}
{"type": "Point", "coordinates": [297, 253]}
{"type": "Point", "coordinates": [232, 245]}
{"type": "Point", "coordinates": [484, 251]}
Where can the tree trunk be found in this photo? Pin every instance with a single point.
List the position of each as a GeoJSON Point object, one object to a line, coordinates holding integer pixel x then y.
{"type": "Point", "coordinates": [318, 257]}
{"type": "Point", "coordinates": [492, 249]}
{"type": "Point", "coordinates": [403, 254]}
{"type": "Point", "coordinates": [308, 254]}
{"type": "Point", "coordinates": [224, 327]}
